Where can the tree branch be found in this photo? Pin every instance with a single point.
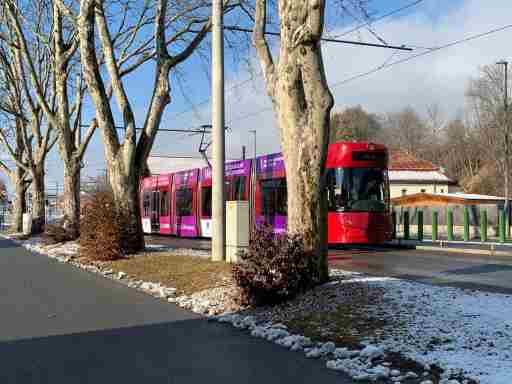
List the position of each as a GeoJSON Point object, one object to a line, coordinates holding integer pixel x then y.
{"type": "Point", "coordinates": [93, 77]}
{"type": "Point", "coordinates": [87, 139]}
{"type": "Point", "coordinates": [262, 48]}
{"type": "Point", "coordinates": [113, 70]}
{"type": "Point", "coordinates": [11, 152]}
{"type": "Point", "coordinates": [32, 70]}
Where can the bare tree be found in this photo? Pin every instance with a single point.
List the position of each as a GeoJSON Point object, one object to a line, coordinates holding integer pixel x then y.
{"type": "Point", "coordinates": [61, 44]}
{"type": "Point", "coordinates": [17, 175]}
{"type": "Point", "coordinates": [405, 130]}
{"type": "Point", "coordinates": [462, 152]}
{"type": "Point", "coordinates": [354, 124]}
{"type": "Point", "coordinates": [485, 95]}
{"type": "Point", "coordinates": [434, 133]}
{"type": "Point", "coordinates": [302, 105]}
{"type": "Point", "coordinates": [187, 26]}
{"type": "Point", "coordinates": [30, 126]}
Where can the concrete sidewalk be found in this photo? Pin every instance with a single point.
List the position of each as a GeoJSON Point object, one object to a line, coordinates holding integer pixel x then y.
{"type": "Point", "coordinates": [63, 325]}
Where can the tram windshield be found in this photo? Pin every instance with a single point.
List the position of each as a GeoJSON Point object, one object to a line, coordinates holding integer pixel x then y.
{"type": "Point", "coordinates": [357, 189]}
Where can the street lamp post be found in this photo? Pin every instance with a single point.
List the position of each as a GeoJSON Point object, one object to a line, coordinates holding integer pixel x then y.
{"type": "Point", "coordinates": [507, 144]}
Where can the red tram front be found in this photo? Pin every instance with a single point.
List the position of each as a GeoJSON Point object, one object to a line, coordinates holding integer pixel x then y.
{"type": "Point", "coordinates": [358, 194]}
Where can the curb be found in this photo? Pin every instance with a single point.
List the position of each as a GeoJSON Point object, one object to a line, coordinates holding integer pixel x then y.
{"type": "Point", "coordinates": [490, 251]}
{"type": "Point", "coordinates": [471, 251]}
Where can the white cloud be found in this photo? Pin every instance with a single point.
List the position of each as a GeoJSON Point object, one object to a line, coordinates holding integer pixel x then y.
{"type": "Point", "coordinates": [440, 77]}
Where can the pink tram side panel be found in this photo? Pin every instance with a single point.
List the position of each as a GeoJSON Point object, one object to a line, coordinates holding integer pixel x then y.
{"type": "Point", "coordinates": [164, 185]}
{"type": "Point", "coordinates": [185, 218]}
{"type": "Point", "coordinates": [233, 169]}
{"type": "Point", "coordinates": [269, 167]}
{"type": "Point", "coordinates": [147, 184]}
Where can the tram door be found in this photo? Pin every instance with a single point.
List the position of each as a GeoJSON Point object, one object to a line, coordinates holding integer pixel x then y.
{"type": "Point", "coordinates": [155, 212]}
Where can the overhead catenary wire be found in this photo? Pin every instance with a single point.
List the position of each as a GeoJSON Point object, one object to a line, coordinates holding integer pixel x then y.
{"type": "Point", "coordinates": [258, 73]}
{"type": "Point", "coordinates": [430, 51]}
{"type": "Point", "coordinates": [386, 15]}
{"type": "Point", "coordinates": [388, 65]}
{"type": "Point", "coordinates": [330, 40]}
{"type": "Point", "coordinates": [159, 129]}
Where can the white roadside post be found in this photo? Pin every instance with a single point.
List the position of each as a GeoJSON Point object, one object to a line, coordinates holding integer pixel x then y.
{"type": "Point", "coordinates": [218, 206]}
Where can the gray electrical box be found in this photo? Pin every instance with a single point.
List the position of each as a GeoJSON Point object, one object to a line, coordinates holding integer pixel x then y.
{"type": "Point", "coordinates": [237, 229]}
{"type": "Point", "coordinates": [27, 223]}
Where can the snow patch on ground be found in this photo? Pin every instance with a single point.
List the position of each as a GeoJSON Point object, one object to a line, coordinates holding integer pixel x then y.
{"type": "Point", "coordinates": [453, 328]}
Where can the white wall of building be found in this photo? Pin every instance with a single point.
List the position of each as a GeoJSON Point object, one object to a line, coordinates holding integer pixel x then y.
{"type": "Point", "coordinates": [401, 189]}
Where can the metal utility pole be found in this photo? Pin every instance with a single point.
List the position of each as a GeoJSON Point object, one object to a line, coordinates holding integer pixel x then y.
{"type": "Point", "coordinates": [254, 133]}
{"type": "Point", "coordinates": [507, 145]}
{"type": "Point", "coordinates": [219, 156]}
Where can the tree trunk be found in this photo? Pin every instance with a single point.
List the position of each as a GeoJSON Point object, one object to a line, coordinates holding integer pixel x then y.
{"type": "Point", "coordinates": [72, 198]}
{"type": "Point", "coordinates": [20, 205]}
{"type": "Point", "coordinates": [38, 200]}
{"type": "Point", "coordinates": [126, 196]}
{"type": "Point", "coordinates": [305, 178]}
{"type": "Point", "coordinates": [302, 104]}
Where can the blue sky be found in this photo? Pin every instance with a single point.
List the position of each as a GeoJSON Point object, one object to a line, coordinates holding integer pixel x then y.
{"type": "Point", "coordinates": [437, 78]}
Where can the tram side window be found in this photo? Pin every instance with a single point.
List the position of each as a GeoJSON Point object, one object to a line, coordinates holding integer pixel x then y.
{"type": "Point", "coordinates": [146, 203]}
{"type": "Point", "coordinates": [273, 197]}
{"type": "Point", "coordinates": [184, 202]}
{"type": "Point", "coordinates": [164, 204]}
{"type": "Point", "coordinates": [155, 202]}
{"type": "Point", "coordinates": [238, 188]}
{"type": "Point", "coordinates": [206, 201]}
{"type": "Point", "coordinates": [336, 190]}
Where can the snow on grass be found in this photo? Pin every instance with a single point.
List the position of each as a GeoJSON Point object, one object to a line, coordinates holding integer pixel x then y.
{"type": "Point", "coordinates": [453, 328]}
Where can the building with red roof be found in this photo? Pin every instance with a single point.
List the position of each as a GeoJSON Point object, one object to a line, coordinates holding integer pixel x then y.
{"type": "Point", "coordinates": [409, 175]}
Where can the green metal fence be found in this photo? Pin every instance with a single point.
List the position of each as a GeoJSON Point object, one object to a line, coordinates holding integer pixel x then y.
{"type": "Point", "coordinates": [470, 224]}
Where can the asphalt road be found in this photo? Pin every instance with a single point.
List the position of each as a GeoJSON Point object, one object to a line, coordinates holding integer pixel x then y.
{"type": "Point", "coordinates": [59, 324]}
{"type": "Point", "coordinates": [486, 273]}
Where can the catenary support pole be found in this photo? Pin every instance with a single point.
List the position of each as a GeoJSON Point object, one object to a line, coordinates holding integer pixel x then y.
{"type": "Point", "coordinates": [218, 205]}
{"type": "Point", "coordinates": [507, 143]}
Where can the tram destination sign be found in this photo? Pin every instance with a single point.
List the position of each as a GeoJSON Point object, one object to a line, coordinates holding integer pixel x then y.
{"type": "Point", "coordinates": [369, 156]}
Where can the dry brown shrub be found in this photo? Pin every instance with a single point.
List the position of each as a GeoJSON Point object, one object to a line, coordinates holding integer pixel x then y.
{"type": "Point", "coordinates": [274, 268]}
{"type": "Point", "coordinates": [101, 229]}
{"type": "Point", "coordinates": [59, 233]}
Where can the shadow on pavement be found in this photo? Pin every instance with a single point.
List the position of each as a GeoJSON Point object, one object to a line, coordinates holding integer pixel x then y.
{"type": "Point", "coordinates": [190, 351]}
{"type": "Point", "coordinates": [5, 243]}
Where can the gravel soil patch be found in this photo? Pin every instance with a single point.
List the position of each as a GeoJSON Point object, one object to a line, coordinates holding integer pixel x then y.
{"type": "Point", "coordinates": [185, 273]}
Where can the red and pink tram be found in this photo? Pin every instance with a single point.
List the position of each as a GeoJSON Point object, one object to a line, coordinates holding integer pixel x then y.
{"type": "Point", "coordinates": [357, 189]}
